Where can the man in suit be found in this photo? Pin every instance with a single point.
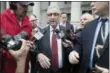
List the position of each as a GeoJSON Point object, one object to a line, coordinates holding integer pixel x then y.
{"type": "Point", "coordinates": [93, 53]}
{"type": "Point", "coordinates": [51, 55]}
{"type": "Point", "coordinates": [69, 30]}
{"type": "Point", "coordinates": [65, 23]}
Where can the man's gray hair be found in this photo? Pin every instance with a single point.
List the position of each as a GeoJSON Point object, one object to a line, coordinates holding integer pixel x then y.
{"type": "Point", "coordinates": [54, 6]}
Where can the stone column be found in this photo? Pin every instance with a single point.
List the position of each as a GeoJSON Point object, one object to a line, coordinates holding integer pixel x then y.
{"type": "Point", "coordinates": [7, 4]}
{"type": "Point", "coordinates": [75, 13]}
{"type": "Point", "coordinates": [36, 10]}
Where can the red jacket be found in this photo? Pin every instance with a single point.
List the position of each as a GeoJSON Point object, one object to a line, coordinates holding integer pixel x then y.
{"type": "Point", "coordinates": [10, 25]}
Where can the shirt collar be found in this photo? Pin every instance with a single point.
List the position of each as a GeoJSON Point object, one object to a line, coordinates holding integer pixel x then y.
{"type": "Point", "coordinates": [63, 24]}
{"type": "Point", "coordinates": [51, 28]}
{"type": "Point", "coordinates": [101, 18]}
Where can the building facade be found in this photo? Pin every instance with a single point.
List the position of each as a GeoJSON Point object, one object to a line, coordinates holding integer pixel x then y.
{"type": "Point", "coordinates": [73, 9]}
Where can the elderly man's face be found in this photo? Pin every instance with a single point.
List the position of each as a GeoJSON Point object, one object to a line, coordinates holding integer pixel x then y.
{"type": "Point", "coordinates": [53, 16]}
{"type": "Point", "coordinates": [99, 8]}
{"type": "Point", "coordinates": [84, 20]}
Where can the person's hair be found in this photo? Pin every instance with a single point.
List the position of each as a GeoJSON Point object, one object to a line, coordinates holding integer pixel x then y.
{"type": "Point", "coordinates": [63, 13]}
{"type": "Point", "coordinates": [13, 5]}
{"type": "Point", "coordinates": [54, 6]}
{"type": "Point", "coordinates": [33, 15]}
{"type": "Point", "coordinates": [90, 16]}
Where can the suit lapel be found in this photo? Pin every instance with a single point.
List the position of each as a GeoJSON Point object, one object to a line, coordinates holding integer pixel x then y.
{"type": "Point", "coordinates": [91, 33]}
{"type": "Point", "coordinates": [88, 37]}
{"type": "Point", "coordinates": [47, 40]}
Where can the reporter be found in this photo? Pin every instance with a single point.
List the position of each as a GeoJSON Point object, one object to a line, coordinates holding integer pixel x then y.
{"type": "Point", "coordinates": [14, 21]}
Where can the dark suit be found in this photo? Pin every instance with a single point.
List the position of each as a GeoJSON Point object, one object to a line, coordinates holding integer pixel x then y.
{"type": "Point", "coordinates": [86, 48]}
{"type": "Point", "coordinates": [69, 26]}
{"type": "Point", "coordinates": [44, 47]}
{"type": "Point", "coordinates": [69, 29]}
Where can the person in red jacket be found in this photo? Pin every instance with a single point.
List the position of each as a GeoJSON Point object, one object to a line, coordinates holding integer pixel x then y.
{"type": "Point", "coordinates": [12, 22]}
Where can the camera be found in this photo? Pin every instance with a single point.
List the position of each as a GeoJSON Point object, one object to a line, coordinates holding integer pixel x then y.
{"type": "Point", "coordinates": [13, 42]}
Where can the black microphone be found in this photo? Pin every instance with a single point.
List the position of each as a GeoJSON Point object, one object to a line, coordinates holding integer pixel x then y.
{"type": "Point", "coordinates": [57, 31]}
{"type": "Point", "coordinates": [60, 34]}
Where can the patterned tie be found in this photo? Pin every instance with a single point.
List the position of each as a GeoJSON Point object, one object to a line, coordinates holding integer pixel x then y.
{"type": "Point", "coordinates": [101, 38]}
{"type": "Point", "coordinates": [99, 44]}
{"type": "Point", "coordinates": [54, 53]}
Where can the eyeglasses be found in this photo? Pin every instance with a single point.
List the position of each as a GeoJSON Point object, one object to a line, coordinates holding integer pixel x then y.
{"type": "Point", "coordinates": [55, 14]}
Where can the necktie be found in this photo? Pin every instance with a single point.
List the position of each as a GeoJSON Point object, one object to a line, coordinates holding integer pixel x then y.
{"type": "Point", "coordinates": [95, 54]}
{"type": "Point", "coordinates": [54, 53]}
{"type": "Point", "coordinates": [100, 39]}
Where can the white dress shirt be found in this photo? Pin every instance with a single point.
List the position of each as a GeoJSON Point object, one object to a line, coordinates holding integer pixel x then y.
{"type": "Point", "coordinates": [63, 24]}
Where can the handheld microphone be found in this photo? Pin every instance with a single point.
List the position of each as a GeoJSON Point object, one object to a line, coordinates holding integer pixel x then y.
{"type": "Point", "coordinates": [60, 34]}
{"type": "Point", "coordinates": [37, 34]}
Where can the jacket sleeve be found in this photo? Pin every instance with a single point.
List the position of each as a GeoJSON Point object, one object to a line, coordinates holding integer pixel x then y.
{"type": "Point", "coordinates": [78, 43]}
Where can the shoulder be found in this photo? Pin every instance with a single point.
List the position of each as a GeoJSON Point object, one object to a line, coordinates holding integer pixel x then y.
{"type": "Point", "coordinates": [4, 14]}
{"type": "Point", "coordinates": [43, 30]}
{"type": "Point", "coordinates": [92, 23]}
{"type": "Point", "coordinates": [62, 28]}
{"type": "Point", "coordinates": [70, 25]}
{"type": "Point", "coordinates": [91, 26]}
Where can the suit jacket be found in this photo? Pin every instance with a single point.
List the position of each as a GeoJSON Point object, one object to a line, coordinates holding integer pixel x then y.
{"type": "Point", "coordinates": [86, 48]}
{"type": "Point", "coordinates": [44, 45]}
{"type": "Point", "coordinates": [69, 26]}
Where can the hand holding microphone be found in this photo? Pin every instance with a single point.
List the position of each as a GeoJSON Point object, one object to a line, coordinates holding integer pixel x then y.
{"type": "Point", "coordinates": [37, 34]}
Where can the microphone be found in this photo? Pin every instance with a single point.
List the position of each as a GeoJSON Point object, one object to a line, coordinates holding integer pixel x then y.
{"type": "Point", "coordinates": [57, 31]}
{"type": "Point", "coordinates": [60, 34]}
{"type": "Point", "coordinates": [37, 34]}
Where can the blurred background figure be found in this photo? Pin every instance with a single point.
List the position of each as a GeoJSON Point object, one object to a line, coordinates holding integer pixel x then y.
{"type": "Point", "coordinates": [65, 23]}
{"type": "Point", "coordinates": [36, 33]}
{"type": "Point", "coordinates": [85, 19]}
{"type": "Point", "coordinates": [69, 29]}
{"type": "Point", "coordinates": [33, 20]}
{"type": "Point", "coordinates": [37, 29]}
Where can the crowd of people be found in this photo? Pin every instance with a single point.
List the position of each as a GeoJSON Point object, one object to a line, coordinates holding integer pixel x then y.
{"type": "Point", "coordinates": [57, 48]}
